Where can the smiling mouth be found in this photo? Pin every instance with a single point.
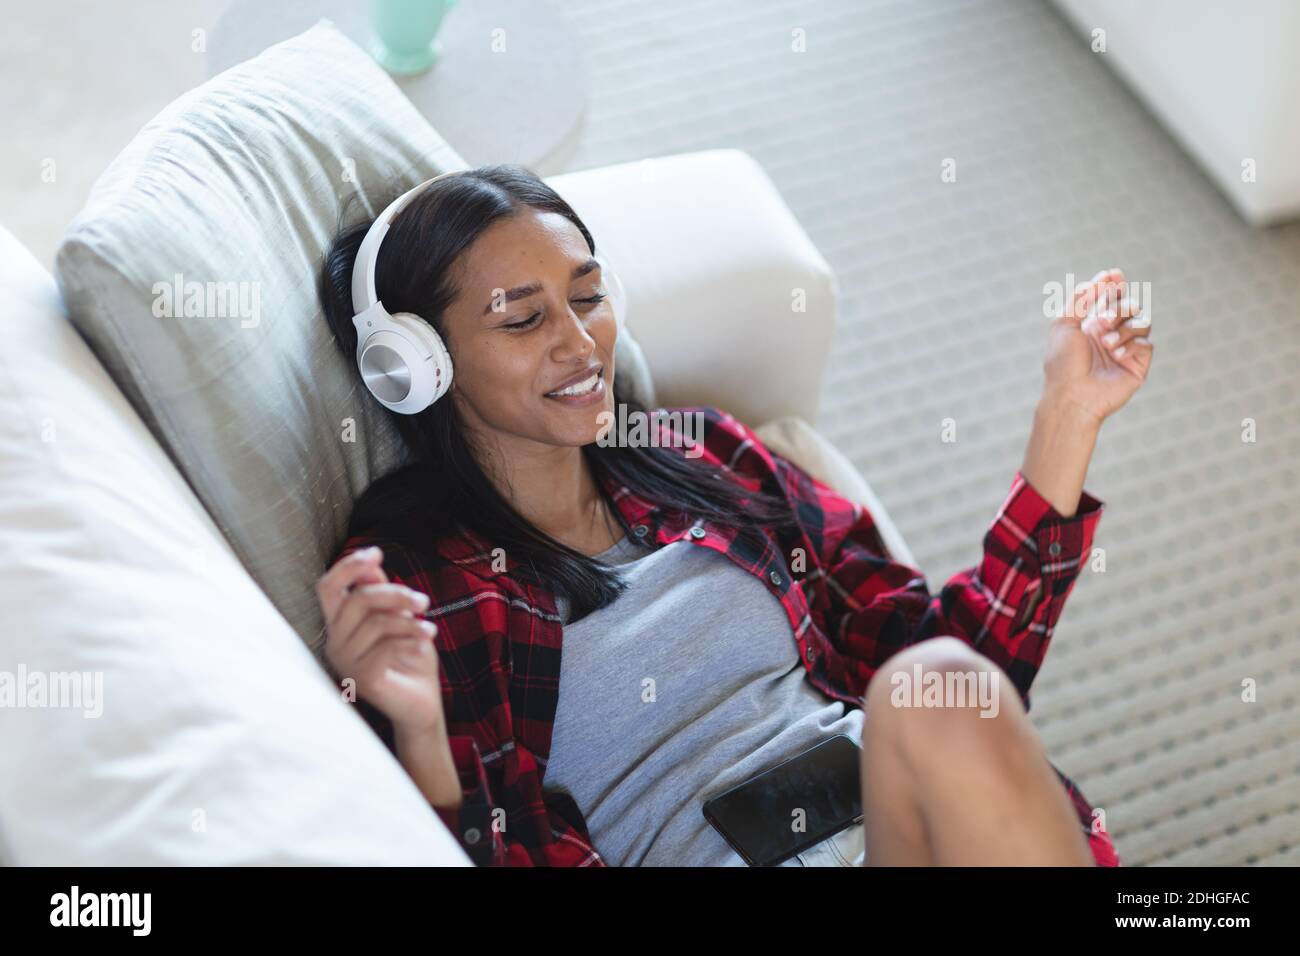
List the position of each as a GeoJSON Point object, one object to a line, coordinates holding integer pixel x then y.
{"type": "Point", "coordinates": [585, 387]}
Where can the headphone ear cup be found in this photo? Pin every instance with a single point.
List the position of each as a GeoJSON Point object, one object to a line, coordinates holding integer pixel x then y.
{"type": "Point", "coordinates": [405, 364]}
{"type": "Point", "coordinates": [435, 360]}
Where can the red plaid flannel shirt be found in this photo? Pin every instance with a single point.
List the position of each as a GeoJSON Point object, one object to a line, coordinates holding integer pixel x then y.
{"type": "Point", "coordinates": [850, 609]}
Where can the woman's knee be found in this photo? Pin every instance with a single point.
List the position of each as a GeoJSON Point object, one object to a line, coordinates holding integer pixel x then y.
{"type": "Point", "coordinates": [942, 695]}
{"type": "Point", "coordinates": [936, 654]}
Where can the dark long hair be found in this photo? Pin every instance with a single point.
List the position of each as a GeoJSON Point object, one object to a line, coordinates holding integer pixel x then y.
{"type": "Point", "coordinates": [442, 490]}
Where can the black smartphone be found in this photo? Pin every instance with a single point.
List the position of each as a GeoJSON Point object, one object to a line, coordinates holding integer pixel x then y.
{"type": "Point", "coordinates": [794, 805]}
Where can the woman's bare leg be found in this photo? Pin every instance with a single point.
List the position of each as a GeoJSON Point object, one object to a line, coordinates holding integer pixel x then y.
{"type": "Point", "coordinates": [945, 786]}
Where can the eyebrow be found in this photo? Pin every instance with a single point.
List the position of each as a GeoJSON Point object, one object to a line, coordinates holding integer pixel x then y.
{"type": "Point", "coordinates": [534, 287]}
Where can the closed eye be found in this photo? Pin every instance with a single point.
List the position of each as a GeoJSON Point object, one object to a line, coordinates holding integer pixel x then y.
{"type": "Point", "coordinates": [533, 319]}
{"type": "Point", "coordinates": [525, 324]}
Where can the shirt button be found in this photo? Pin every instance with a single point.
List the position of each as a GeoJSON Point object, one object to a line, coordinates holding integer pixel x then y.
{"type": "Point", "coordinates": [775, 576]}
{"type": "Point", "coordinates": [472, 835]}
{"type": "Point", "coordinates": [1054, 548]}
{"type": "Point", "coordinates": [640, 530]}
{"type": "Point", "coordinates": [697, 532]}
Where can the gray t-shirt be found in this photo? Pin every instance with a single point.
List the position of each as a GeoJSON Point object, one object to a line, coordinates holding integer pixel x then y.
{"type": "Point", "coordinates": [686, 685]}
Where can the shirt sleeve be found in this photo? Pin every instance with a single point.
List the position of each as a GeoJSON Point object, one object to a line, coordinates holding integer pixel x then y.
{"type": "Point", "coordinates": [478, 823]}
{"type": "Point", "coordinates": [471, 822]}
{"type": "Point", "coordinates": [1006, 606]}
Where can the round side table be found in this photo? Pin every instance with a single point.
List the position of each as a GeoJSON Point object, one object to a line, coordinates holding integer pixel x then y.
{"type": "Point", "coordinates": [510, 84]}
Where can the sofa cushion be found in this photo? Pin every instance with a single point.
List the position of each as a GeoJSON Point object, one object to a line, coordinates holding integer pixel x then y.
{"type": "Point", "coordinates": [204, 733]}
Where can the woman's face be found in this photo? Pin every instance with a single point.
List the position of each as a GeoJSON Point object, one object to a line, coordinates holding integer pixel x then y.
{"type": "Point", "coordinates": [520, 329]}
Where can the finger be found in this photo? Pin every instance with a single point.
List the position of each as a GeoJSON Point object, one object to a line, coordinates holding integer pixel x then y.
{"type": "Point", "coordinates": [1136, 356]}
{"type": "Point", "coordinates": [377, 627]}
{"type": "Point", "coordinates": [1113, 310]}
{"type": "Point", "coordinates": [406, 644]}
{"type": "Point", "coordinates": [1100, 316]}
{"type": "Point", "coordinates": [362, 565]}
{"type": "Point", "coordinates": [1129, 307]}
{"type": "Point", "coordinates": [1118, 283]}
{"type": "Point", "coordinates": [1116, 312]}
{"type": "Point", "coordinates": [1141, 349]}
{"type": "Point", "coordinates": [370, 599]}
{"type": "Point", "coordinates": [373, 598]}
{"type": "Point", "coordinates": [1100, 279]}
{"type": "Point", "coordinates": [1124, 333]}
{"type": "Point", "coordinates": [1137, 361]}
{"type": "Point", "coordinates": [1114, 288]}
{"type": "Point", "coordinates": [1085, 297]}
{"type": "Point", "coordinates": [1092, 292]}
{"type": "Point", "coordinates": [415, 652]}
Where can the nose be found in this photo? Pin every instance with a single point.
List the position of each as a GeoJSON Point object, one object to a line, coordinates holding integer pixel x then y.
{"type": "Point", "coordinates": [573, 341]}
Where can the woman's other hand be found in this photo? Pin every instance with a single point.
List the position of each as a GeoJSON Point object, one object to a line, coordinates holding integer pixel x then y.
{"type": "Point", "coordinates": [1100, 350]}
{"type": "Point", "coordinates": [376, 637]}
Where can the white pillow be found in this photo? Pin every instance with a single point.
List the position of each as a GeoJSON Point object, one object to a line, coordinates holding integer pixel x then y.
{"type": "Point", "coordinates": [218, 740]}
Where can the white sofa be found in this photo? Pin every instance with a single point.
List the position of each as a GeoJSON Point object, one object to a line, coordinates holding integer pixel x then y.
{"type": "Point", "coordinates": [214, 737]}
{"type": "Point", "coordinates": [1223, 78]}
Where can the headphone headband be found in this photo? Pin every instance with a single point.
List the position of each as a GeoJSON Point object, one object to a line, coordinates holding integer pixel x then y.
{"type": "Point", "coordinates": [363, 269]}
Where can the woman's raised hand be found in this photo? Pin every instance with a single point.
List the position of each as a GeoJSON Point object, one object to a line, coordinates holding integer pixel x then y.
{"type": "Point", "coordinates": [1100, 350]}
{"type": "Point", "coordinates": [376, 637]}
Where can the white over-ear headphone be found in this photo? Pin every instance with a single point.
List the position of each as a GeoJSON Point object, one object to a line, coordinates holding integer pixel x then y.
{"type": "Point", "coordinates": [402, 359]}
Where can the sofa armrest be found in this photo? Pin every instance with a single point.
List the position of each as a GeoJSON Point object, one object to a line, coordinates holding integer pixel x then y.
{"type": "Point", "coordinates": [729, 299]}
{"type": "Point", "coordinates": [798, 441]}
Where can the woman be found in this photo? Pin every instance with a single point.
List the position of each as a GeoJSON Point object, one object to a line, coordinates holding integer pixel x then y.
{"type": "Point", "coordinates": [513, 533]}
